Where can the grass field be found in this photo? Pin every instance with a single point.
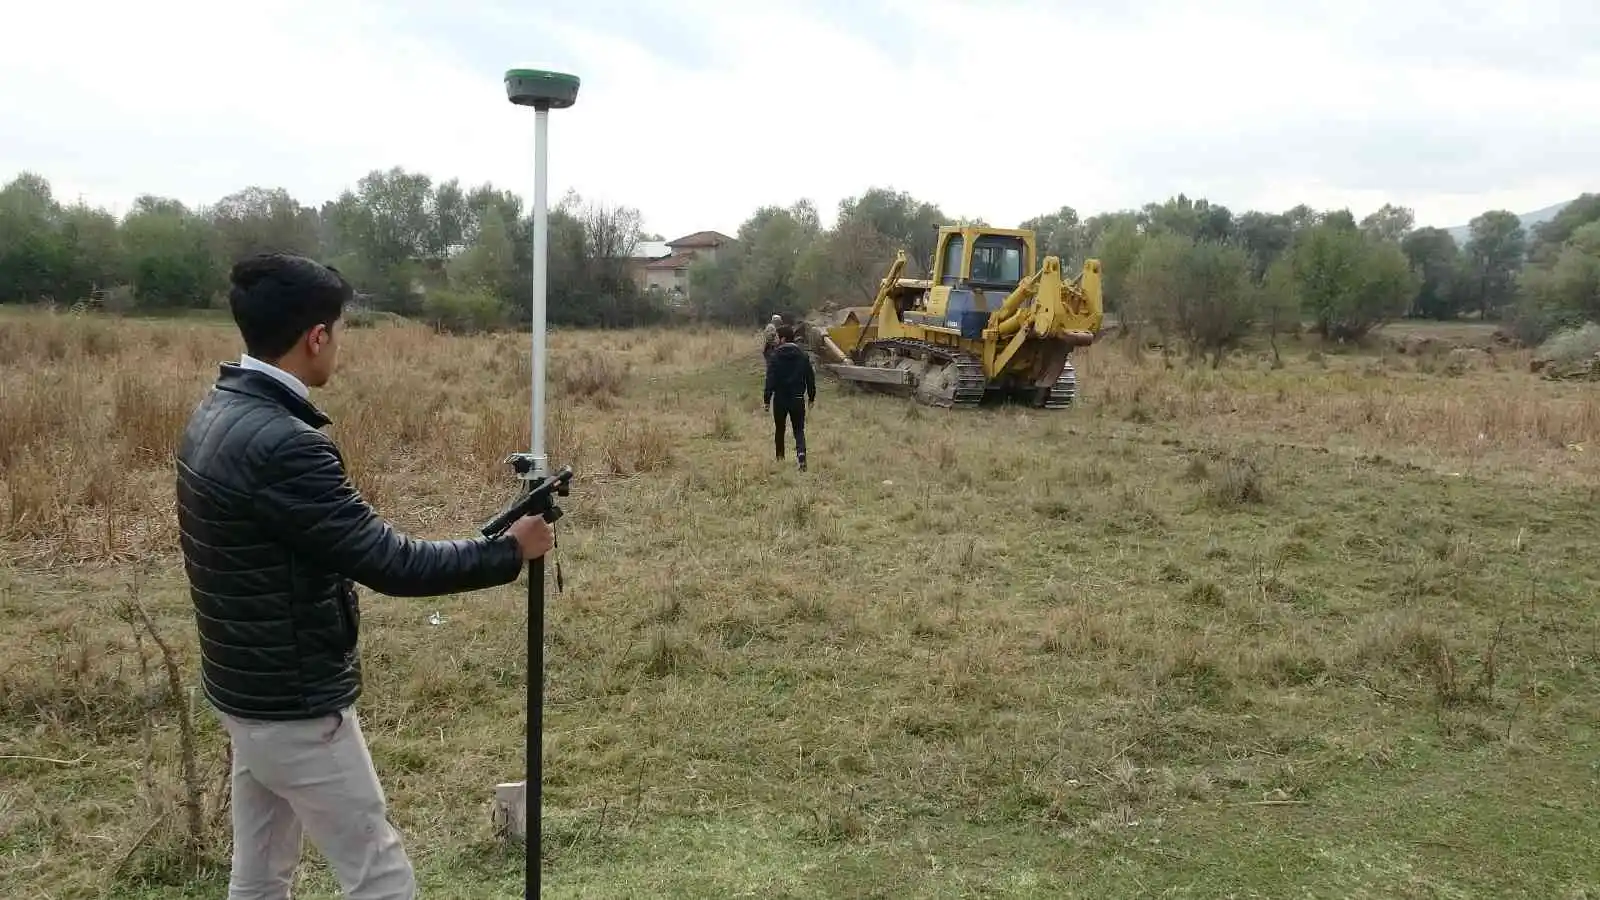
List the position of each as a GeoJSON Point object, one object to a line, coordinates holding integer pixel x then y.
{"type": "Point", "coordinates": [1325, 630]}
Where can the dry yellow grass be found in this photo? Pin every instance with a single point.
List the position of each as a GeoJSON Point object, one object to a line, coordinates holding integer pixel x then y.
{"type": "Point", "coordinates": [1004, 652]}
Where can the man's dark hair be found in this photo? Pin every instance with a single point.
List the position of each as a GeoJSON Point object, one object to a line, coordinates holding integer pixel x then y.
{"type": "Point", "coordinates": [276, 297]}
{"type": "Point", "coordinates": [786, 332]}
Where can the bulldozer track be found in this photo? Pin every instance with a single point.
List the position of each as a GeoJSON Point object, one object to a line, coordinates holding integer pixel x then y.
{"type": "Point", "coordinates": [1065, 391]}
{"type": "Point", "coordinates": [970, 380]}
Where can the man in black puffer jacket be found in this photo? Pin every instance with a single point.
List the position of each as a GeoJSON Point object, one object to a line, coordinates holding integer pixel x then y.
{"type": "Point", "coordinates": [791, 385]}
{"type": "Point", "coordinates": [275, 537]}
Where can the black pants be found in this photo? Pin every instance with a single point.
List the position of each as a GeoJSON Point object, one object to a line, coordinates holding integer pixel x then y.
{"type": "Point", "coordinates": [794, 409]}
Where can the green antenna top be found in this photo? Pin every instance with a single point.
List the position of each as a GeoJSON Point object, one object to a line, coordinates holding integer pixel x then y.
{"type": "Point", "coordinates": [541, 89]}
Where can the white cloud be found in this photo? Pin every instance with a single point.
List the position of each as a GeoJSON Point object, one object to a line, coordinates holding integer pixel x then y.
{"type": "Point", "coordinates": [994, 109]}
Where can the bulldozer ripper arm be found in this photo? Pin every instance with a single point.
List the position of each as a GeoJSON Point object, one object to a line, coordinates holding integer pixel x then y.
{"type": "Point", "coordinates": [1044, 287]}
{"type": "Point", "coordinates": [1010, 315]}
{"type": "Point", "coordinates": [878, 303]}
{"type": "Point", "coordinates": [819, 342]}
{"type": "Point", "coordinates": [1059, 309]}
{"type": "Point", "coordinates": [831, 352]}
{"type": "Point", "coordinates": [1047, 308]}
{"type": "Point", "coordinates": [1012, 346]}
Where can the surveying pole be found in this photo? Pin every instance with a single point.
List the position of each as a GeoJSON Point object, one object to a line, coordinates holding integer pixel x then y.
{"type": "Point", "coordinates": [544, 91]}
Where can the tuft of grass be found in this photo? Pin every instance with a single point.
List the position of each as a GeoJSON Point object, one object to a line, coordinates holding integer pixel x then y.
{"type": "Point", "coordinates": [1205, 593]}
{"type": "Point", "coordinates": [723, 425]}
{"type": "Point", "coordinates": [593, 377]}
{"type": "Point", "coordinates": [1240, 481]}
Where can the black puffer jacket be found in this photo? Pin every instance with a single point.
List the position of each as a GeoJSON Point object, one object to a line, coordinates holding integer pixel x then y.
{"type": "Point", "coordinates": [275, 537]}
{"type": "Point", "coordinates": [789, 375]}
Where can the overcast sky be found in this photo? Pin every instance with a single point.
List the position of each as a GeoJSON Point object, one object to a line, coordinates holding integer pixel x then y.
{"type": "Point", "coordinates": [698, 111]}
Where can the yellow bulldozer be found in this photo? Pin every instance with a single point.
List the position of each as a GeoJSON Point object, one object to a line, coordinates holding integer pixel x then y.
{"type": "Point", "coordinates": [988, 321]}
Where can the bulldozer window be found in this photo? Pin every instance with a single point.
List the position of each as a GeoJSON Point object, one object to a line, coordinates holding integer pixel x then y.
{"type": "Point", "coordinates": [952, 259]}
{"type": "Point", "coordinates": [997, 261]}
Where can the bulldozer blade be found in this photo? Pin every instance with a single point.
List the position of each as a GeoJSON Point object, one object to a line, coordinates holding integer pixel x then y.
{"type": "Point", "coordinates": [872, 374]}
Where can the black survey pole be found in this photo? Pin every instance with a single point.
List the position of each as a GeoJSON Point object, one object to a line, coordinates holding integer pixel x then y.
{"type": "Point", "coordinates": [543, 90]}
{"type": "Point", "coordinates": [539, 499]}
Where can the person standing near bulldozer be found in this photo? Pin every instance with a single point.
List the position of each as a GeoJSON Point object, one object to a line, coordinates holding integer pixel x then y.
{"type": "Point", "coordinates": [770, 337]}
{"type": "Point", "coordinates": [791, 386]}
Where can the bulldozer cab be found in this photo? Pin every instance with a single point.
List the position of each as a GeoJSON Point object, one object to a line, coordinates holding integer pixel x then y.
{"type": "Point", "coordinates": [993, 259]}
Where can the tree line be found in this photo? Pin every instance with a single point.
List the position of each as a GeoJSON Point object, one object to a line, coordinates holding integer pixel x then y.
{"type": "Point", "coordinates": [458, 257]}
{"type": "Point", "coordinates": [1194, 272]}
{"type": "Point", "coordinates": [1183, 270]}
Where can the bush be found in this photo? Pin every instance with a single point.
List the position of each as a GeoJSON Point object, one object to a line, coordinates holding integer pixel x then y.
{"type": "Point", "coordinates": [1570, 353]}
{"type": "Point", "coordinates": [1198, 291]}
{"type": "Point", "coordinates": [462, 312]}
{"type": "Point", "coordinates": [1561, 294]}
{"type": "Point", "coordinates": [1348, 282]}
{"type": "Point", "coordinates": [367, 317]}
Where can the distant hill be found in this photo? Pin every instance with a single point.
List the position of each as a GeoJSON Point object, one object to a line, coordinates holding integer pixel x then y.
{"type": "Point", "coordinates": [1462, 232]}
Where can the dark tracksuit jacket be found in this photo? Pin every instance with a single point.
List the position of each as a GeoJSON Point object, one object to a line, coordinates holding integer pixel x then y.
{"type": "Point", "coordinates": [791, 382]}
{"type": "Point", "coordinates": [789, 376]}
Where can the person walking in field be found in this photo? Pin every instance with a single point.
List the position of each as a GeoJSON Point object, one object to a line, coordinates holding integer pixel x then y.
{"type": "Point", "coordinates": [791, 386]}
{"type": "Point", "coordinates": [275, 538]}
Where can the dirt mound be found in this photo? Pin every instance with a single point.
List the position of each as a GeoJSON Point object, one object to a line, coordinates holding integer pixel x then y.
{"type": "Point", "coordinates": [1418, 345]}
{"type": "Point", "coordinates": [1568, 370]}
{"type": "Point", "coordinates": [1441, 339]}
{"type": "Point", "coordinates": [1462, 360]}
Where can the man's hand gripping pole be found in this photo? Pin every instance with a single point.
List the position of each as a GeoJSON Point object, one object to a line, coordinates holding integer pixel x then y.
{"type": "Point", "coordinates": [537, 499]}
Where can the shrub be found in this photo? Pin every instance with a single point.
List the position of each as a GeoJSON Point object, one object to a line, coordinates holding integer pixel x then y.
{"type": "Point", "coordinates": [1347, 282]}
{"type": "Point", "coordinates": [1569, 353]}
{"type": "Point", "coordinates": [462, 312]}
